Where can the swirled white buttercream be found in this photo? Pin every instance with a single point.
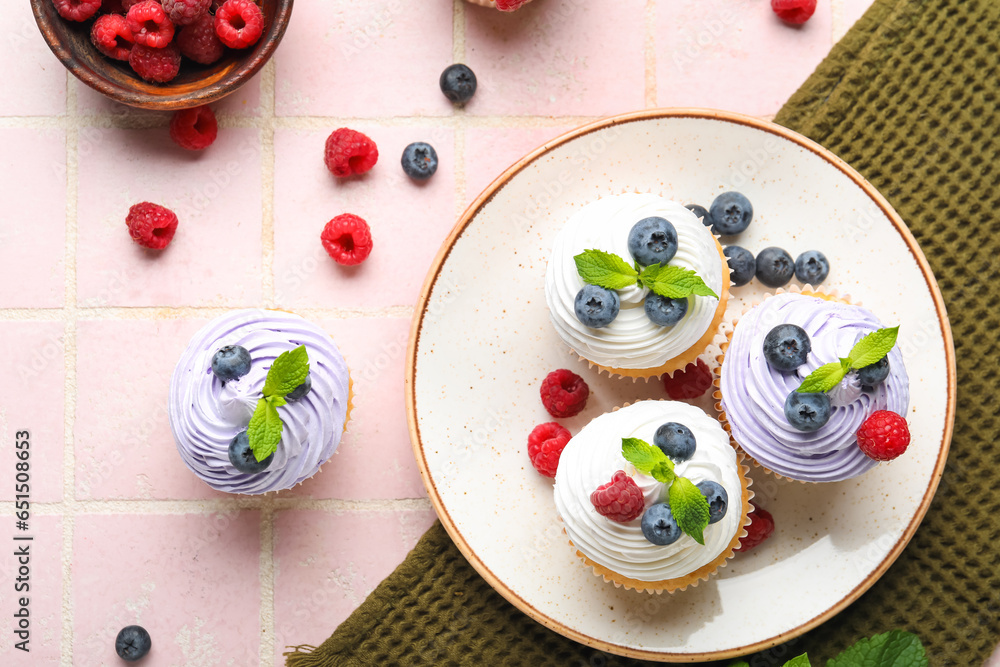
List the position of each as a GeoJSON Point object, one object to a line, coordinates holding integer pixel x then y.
{"type": "Point", "coordinates": [632, 341]}
{"type": "Point", "coordinates": [591, 459]}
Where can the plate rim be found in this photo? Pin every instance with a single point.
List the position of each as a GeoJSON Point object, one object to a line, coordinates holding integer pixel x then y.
{"type": "Point", "coordinates": [470, 214]}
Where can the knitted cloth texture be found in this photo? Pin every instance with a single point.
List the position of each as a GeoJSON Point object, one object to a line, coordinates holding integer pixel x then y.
{"type": "Point", "coordinates": [909, 99]}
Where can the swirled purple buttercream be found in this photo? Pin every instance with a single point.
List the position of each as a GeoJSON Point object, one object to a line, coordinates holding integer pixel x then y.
{"type": "Point", "coordinates": [206, 414]}
{"type": "Point", "coordinates": [753, 394]}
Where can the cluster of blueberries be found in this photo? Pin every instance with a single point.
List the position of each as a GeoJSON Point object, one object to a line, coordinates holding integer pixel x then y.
{"type": "Point", "coordinates": [730, 214]}
{"type": "Point", "coordinates": [658, 523]}
{"type": "Point", "coordinates": [231, 363]}
{"type": "Point", "coordinates": [786, 347]}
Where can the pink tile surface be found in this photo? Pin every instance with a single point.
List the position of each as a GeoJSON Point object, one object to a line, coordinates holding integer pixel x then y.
{"type": "Point", "coordinates": [408, 220]}
{"type": "Point", "coordinates": [191, 580]}
{"type": "Point", "coordinates": [32, 235]}
{"type": "Point", "coordinates": [34, 80]}
{"type": "Point", "coordinates": [215, 257]}
{"type": "Point", "coordinates": [558, 57]}
{"type": "Point", "coordinates": [735, 54]}
{"type": "Point", "coordinates": [853, 10]}
{"type": "Point", "coordinates": [489, 151]}
{"type": "Point", "coordinates": [326, 563]}
{"type": "Point", "coordinates": [32, 365]}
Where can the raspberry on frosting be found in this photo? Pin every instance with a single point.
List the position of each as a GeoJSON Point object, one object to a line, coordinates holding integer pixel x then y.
{"type": "Point", "coordinates": [620, 499]}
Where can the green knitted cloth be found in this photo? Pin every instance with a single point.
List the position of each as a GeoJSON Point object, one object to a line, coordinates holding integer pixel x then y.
{"type": "Point", "coordinates": [908, 98]}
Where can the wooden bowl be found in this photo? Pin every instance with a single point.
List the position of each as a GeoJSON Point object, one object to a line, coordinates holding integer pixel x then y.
{"type": "Point", "coordinates": [195, 84]}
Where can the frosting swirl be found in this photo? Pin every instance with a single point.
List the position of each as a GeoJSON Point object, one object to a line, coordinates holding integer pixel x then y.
{"type": "Point", "coordinates": [632, 341]}
{"type": "Point", "coordinates": [753, 394]}
{"type": "Point", "coordinates": [592, 457]}
{"type": "Point", "coordinates": [206, 414]}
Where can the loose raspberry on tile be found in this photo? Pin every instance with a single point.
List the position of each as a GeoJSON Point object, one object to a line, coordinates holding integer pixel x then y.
{"type": "Point", "coordinates": [564, 393]}
{"type": "Point", "coordinates": [111, 36]}
{"type": "Point", "coordinates": [149, 24]}
{"type": "Point", "coordinates": [620, 499]}
{"type": "Point", "coordinates": [194, 129]}
{"type": "Point", "coordinates": [760, 528]}
{"type": "Point", "coordinates": [349, 152]}
{"type": "Point", "coordinates": [884, 435]}
{"type": "Point", "coordinates": [795, 12]}
{"type": "Point", "coordinates": [155, 65]}
{"type": "Point", "coordinates": [185, 12]}
{"type": "Point", "coordinates": [239, 23]}
{"type": "Point", "coordinates": [510, 5]}
{"type": "Point", "coordinates": [151, 225]}
{"type": "Point", "coordinates": [691, 382]}
{"type": "Point", "coordinates": [545, 445]}
{"type": "Point", "coordinates": [347, 239]}
{"type": "Point", "coordinates": [77, 10]}
{"type": "Point", "coordinates": [199, 42]}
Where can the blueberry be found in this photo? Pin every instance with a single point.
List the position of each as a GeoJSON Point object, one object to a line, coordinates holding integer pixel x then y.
{"type": "Point", "coordinates": [132, 643]}
{"type": "Point", "coordinates": [596, 307]}
{"type": "Point", "coordinates": [676, 441]}
{"type": "Point", "coordinates": [242, 457]}
{"type": "Point", "coordinates": [701, 212]}
{"type": "Point", "coordinates": [231, 363]}
{"type": "Point", "coordinates": [718, 499]}
{"type": "Point", "coordinates": [301, 390]}
{"type": "Point", "coordinates": [731, 213]}
{"type": "Point", "coordinates": [742, 264]}
{"type": "Point", "coordinates": [652, 241]}
{"type": "Point", "coordinates": [807, 412]}
{"type": "Point", "coordinates": [458, 83]}
{"type": "Point", "coordinates": [812, 267]}
{"type": "Point", "coordinates": [420, 161]}
{"type": "Point", "coordinates": [786, 347]}
{"type": "Point", "coordinates": [663, 311]}
{"type": "Point", "coordinates": [774, 267]}
{"type": "Point", "coordinates": [875, 374]}
{"type": "Point", "coordinates": [659, 525]}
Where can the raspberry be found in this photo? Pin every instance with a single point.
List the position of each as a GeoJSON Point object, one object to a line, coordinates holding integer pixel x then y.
{"type": "Point", "coordinates": [545, 445]}
{"type": "Point", "coordinates": [112, 7]}
{"type": "Point", "coordinates": [510, 5]}
{"type": "Point", "coordinates": [349, 152]}
{"type": "Point", "coordinates": [620, 499]}
{"type": "Point", "coordinates": [149, 24]}
{"type": "Point", "coordinates": [156, 65]}
{"type": "Point", "coordinates": [127, 4]}
{"type": "Point", "coordinates": [111, 36]}
{"type": "Point", "coordinates": [77, 10]}
{"type": "Point", "coordinates": [199, 42]}
{"type": "Point", "coordinates": [794, 11]}
{"type": "Point", "coordinates": [347, 239]}
{"type": "Point", "coordinates": [691, 382]}
{"type": "Point", "coordinates": [185, 12]}
{"type": "Point", "coordinates": [151, 225]}
{"type": "Point", "coordinates": [760, 528]}
{"type": "Point", "coordinates": [239, 23]}
{"type": "Point", "coordinates": [884, 435]}
{"type": "Point", "coordinates": [194, 129]}
{"type": "Point", "coordinates": [564, 393]}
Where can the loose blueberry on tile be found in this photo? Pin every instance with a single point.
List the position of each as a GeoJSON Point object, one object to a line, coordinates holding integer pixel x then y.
{"type": "Point", "coordinates": [874, 375]}
{"type": "Point", "coordinates": [596, 307]}
{"type": "Point", "coordinates": [242, 457]}
{"type": "Point", "coordinates": [786, 347]}
{"type": "Point", "coordinates": [718, 499]}
{"type": "Point", "coordinates": [458, 83]}
{"type": "Point", "coordinates": [676, 441]}
{"type": "Point", "coordinates": [807, 412]}
{"type": "Point", "coordinates": [301, 390]}
{"type": "Point", "coordinates": [742, 264]}
{"type": "Point", "coordinates": [663, 311]}
{"type": "Point", "coordinates": [231, 362]}
{"type": "Point", "coordinates": [700, 212]}
{"type": "Point", "coordinates": [652, 241]}
{"type": "Point", "coordinates": [731, 213]}
{"type": "Point", "coordinates": [812, 267]}
{"type": "Point", "coordinates": [419, 161]}
{"type": "Point", "coordinates": [774, 267]}
{"type": "Point", "coordinates": [659, 525]}
{"type": "Point", "coordinates": [132, 643]}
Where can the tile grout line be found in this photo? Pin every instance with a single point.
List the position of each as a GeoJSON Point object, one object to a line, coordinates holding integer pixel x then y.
{"type": "Point", "coordinates": [131, 313]}
{"type": "Point", "coordinates": [267, 623]}
{"type": "Point", "coordinates": [168, 507]}
{"type": "Point", "coordinates": [650, 52]}
{"type": "Point", "coordinates": [458, 56]}
{"type": "Point", "coordinates": [836, 21]}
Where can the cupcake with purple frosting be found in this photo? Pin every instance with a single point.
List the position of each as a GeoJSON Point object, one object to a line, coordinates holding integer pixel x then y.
{"type": "Point", "coordinates": [801, 373]}
{"type": "Point", "coordinates": [259, 401]}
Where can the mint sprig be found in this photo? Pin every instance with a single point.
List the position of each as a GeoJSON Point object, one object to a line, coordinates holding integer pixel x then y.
{"type": "Point", "coordinates": [895, 648]}
{"type": "Point", "coordinates": [287, 372]}
{"type": "Point", "coordinates": [869, 350]}
{"type": "Point", "coordinates": [608, 270]}
{"type": "Point", "coordinates": [674, 282]}
{"type": "Point", "coordinates": [605, 269]}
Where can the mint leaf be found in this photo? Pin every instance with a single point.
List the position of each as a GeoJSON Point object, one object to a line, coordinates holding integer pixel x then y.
{"type": "Point", "coordinates": [265, 428]}
{"type": "Point", "coordinates": [895, 648]}
{"type": "Point", "coordinates": [643, 455]}
{"type": "Point", "coordinates": [287, 372]}
{"type": "Point", "coordinates": [800, 661]}
{"type": "Point", "coordinates": [824, 378]}
{"type": "Point", "coordinates": [674, 282]}
{"type": "Point", "coordinates": [663, 471]}
{"type": "Point", "coordinates": [873, 347]}
{"type": "Point", "coordinates": [689, 507]}
{"type": "Point", "coordinates": [605, 269]}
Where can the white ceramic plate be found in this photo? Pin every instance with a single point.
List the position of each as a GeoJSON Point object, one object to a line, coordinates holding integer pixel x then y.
{"type": "Point", "coordinates": [482, 344]}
